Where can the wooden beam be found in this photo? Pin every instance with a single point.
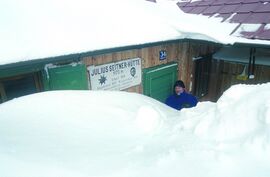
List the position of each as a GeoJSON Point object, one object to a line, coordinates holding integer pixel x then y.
{"type": "Point", "coordinates": [2, 93]}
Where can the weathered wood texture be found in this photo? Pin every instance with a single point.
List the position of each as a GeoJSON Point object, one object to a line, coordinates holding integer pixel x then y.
{"type": "Point", "coordinates": [224, 75]}
{"type": "Point", "coordinates": [180, 52]}
{"type": "Point", "coordinates": [187, 68]}
{"type": "Point", "coordinates": [3, 96]}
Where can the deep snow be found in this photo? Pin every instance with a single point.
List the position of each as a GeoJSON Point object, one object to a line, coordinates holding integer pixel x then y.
{"type": "Point", "coordinates": [119, 134]}
{"type": "Point", "coordinates": [35, 29]}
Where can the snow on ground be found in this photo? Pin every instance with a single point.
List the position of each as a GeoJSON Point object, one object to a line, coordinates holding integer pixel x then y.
{"type": "Point", "coordinates": [119, 134]}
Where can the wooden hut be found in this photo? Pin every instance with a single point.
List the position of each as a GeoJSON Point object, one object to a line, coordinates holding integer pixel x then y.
{"type": "Point", "coordinates": [107, 55]}
{"type": "Point", "coordinates": [247, 59]}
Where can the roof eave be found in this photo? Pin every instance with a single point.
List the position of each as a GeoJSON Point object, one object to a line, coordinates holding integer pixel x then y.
{"type": "Point", "coordinates": [256, 45]}
{"type": "Point", "coordinates": [23, 67]}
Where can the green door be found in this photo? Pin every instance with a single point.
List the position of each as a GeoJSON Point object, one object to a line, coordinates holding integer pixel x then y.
{"type": "Point", "coordinates": [67, 77]}
{"type": "Point", "coordinates": [158, 81]}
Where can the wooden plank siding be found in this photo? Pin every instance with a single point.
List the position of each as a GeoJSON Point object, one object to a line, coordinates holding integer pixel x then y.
{"type": "Point", "coordinates": [224, 75]}
{"type": "Point", "coordinates": [180, 52]}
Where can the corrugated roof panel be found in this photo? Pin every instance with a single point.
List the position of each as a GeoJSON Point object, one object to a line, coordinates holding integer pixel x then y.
{"type": "Point", "coordinates": [239, 18]}
{"type": "Point", "coordinates": [232, 1]}
{"type": "Point", "coordinates": [182, 4]}
{"type": "Point", "coordinates": [251, 14]}
{"type": "Point", "coordinates": [198, 10]}
{"type": "Point", "coordinates": [246, 8]}
{"type": "Point", "coordinates": [194, 4]}
{"type": "Point", "coordinates": [258, 18]}
{"type": "Point", "coordinates": [247, 30]}
{"type": "Point", "coordinates": [206, 3]}
{"type": "Point", "coordinates": [223, 16]}
{"type": "Point", "coordinates": [229, 8]}
{"type": "Point", "coordinates": [218, 2]}
{"type": "Point", "coordinates": [264, 34]}
{"type": "Point", "coordinates": [263, 8]}
{"type": "Point", "coordinates": [249, 1]}
{"type": "Point", "coordinates": [212, 9]}
{"type": "Point", "coordinates": [186, 9]}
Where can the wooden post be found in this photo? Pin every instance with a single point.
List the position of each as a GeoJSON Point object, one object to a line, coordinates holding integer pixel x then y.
{"type": "Point", "coordinates": [3, 93]}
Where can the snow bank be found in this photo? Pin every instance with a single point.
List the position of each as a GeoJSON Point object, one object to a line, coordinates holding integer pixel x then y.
{"type": "Point", "coordinates": [234, 133]}
{"type": "Point", "coordinates": [242, 111]}
{"type": "Point", "coordinates": [72, 132]}
{"type": "Point", "coordinates": [118, 134]}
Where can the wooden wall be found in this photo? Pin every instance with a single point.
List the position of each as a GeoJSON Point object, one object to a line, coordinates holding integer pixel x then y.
{"type": "Point", "coordinates": [187, 68]}
{"type": "Point", "coordinates": [224, 74]}
{"type": "Point", "coordinates": [180, 52]}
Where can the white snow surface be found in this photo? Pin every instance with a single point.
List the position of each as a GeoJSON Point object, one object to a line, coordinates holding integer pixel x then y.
{"type": "Point", "coordinates": [247, 28]}
{"type": "Point", "coordinates": [119, 134]}
{"type": "Point", "coordinates": [32, 29]}
{"type": "Point", "coordinates": [35, 29]}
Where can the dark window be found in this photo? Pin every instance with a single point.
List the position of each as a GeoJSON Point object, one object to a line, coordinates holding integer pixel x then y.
{"type": "Point", "coordinates": [19, 86]}
{"type": "Point", "coordinates": [202, 74]}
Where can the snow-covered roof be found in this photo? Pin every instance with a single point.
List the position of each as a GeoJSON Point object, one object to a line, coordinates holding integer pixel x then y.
{"type": "Point", "coordinates": [252, 16]}
{"type": "Point", "coordinates": [85, 134]}
{"type": "Point", "coordinates": [40, 29]}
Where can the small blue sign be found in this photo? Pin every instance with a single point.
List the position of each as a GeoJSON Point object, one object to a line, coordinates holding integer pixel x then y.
{"type": "Point", "coordinates": [162, 55]}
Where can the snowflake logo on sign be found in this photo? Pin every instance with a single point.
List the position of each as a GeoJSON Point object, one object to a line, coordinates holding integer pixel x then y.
{"type": "Point", "coordinates": [102, 80]}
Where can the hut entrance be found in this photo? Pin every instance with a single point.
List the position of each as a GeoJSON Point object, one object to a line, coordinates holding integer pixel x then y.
{"type": "Point", "coordinates": [158, 81]}
{"type": "Point", "coordinates": [14, 87]}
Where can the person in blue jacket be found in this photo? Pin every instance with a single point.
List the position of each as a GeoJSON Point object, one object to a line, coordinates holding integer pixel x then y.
{"type": "Point", "coordinates": [181, 99]}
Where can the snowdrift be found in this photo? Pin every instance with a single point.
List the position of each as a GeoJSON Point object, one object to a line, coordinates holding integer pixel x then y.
{"type": "Point", "coordinates": [119, 134]}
